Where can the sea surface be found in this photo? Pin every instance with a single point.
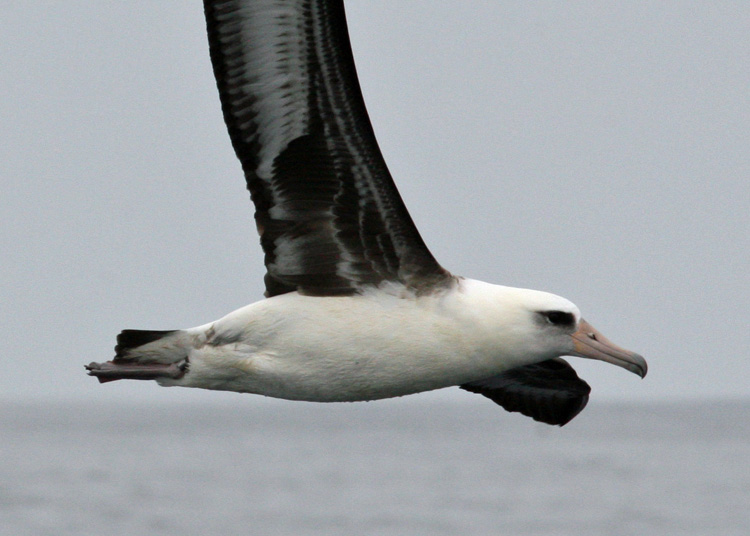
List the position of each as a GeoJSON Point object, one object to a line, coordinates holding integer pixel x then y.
{"type": "Point", "coordinates": [403, 467]}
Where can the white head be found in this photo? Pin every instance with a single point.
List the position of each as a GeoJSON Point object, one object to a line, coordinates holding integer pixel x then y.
{"type": "Point", "coordinates": [531, 326]}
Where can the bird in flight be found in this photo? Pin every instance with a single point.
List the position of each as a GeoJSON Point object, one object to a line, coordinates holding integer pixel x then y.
{"type": "Point", "coordinates": [356, 306]}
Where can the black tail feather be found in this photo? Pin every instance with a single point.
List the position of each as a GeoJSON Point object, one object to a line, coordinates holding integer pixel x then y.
{"type": "Point", "coordinates": [133, 338]}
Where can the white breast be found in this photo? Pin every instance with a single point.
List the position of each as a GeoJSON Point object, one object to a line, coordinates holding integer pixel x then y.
{"type": "Point", "coordinates": [377, 345]}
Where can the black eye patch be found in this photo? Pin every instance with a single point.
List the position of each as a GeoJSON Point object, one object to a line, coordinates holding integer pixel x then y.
{"type": "Point", "coordinates": [559, 318]}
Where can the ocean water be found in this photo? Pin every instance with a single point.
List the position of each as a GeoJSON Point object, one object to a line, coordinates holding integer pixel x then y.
{"type": "Point", "coordinates": [408, 466]}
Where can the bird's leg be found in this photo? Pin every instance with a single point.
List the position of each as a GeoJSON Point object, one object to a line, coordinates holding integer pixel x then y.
{"type": "Point", "coordinates": [113, 370]}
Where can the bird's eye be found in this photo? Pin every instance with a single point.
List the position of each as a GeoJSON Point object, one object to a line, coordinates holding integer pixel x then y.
{"type": "Point", "coordinates": [559, 318]}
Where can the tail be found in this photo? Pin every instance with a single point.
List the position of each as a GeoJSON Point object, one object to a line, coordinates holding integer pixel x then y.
{"type": "Point", "coordinates": [145, 355]}
{"type": "Point", "coordinates": [131, 343]}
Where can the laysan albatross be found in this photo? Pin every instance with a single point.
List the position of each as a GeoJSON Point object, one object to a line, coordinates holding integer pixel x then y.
{"type": "Point", "coordinates": [356, 306]}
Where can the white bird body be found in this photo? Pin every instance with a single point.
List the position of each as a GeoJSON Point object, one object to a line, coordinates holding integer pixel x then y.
{"type": "Point", "coordinates": [383, 343]}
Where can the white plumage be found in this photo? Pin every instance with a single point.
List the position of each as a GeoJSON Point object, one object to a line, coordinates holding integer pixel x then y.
{"type": "Point", "coordinates": [357, 307]}
{"type": "Point", "coordinates": [376, 345]}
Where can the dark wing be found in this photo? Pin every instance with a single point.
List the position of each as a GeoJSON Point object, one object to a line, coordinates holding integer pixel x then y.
{"type": "Point", "coordinates": [550, 392]}
{"type": "Point", "coordinates": [329, 215]}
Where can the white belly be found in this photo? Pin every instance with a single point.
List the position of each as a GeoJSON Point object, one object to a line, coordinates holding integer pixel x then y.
{"type": "Point", "coordinates": [339, 349]}
{"type": "Point", "coordinates": [377, 345]}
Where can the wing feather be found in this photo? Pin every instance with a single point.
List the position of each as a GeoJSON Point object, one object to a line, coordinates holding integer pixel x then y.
{"type": "Point", "coordinates": [550, 392]}
{"type": "Point", "coordinates": [327, 210]}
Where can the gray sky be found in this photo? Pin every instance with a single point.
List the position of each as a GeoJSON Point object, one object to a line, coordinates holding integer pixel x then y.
{"type": "Point", "coordinates": [598, 150]}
